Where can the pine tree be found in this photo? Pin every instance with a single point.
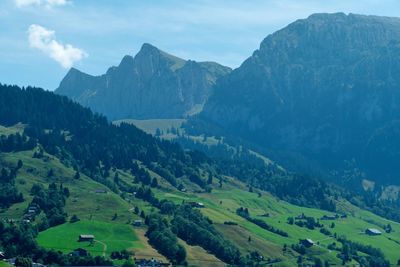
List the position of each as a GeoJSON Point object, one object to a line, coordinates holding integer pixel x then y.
{"type": "Point", "coordinates": [210, 179]}
{"type": "Point", "coordinates": [19, 164]}
{"type": "Point", "coordinates": [50, 173]}
{"type": "Point", "coordinates": [116, 178]}
{"type": "Point", "coordinates": [154, 183]}
{"type": "Point", "coordinates": [142, 214]}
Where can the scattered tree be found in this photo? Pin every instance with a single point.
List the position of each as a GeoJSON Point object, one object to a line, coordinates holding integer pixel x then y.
{"type": "Point", "coordinates": [74, 219]}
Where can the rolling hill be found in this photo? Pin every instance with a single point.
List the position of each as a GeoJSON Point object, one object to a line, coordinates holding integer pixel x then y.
{"type": "Point", "coordinates": [96, 212]}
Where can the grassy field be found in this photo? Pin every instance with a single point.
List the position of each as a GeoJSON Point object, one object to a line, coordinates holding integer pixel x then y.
{"type": "Point", "coordinates": [147, 251]}
{"type": "Point", "coordinates": [109, 237]}
{"type": "Point", "coordinates": [150, 126]}
{"type": "Point", "coordinates": [197, 256]}
{"type": "Point", "coordinates": [4, 264]}
{"type": "Point", "coordinates": [97, 210]}
{"type": "Point", "coordinates": [18, 128]}
{"type": "Point", "coordinates": [222, 204]}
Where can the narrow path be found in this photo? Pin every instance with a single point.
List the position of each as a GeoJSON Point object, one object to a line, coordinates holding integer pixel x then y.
{"type": "Point", "coordinates": [104, 247]}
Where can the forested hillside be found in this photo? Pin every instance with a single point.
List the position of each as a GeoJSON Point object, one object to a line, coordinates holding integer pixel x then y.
{"type": "Point", "coordinates": [67, 171]}
{"type": "Point", "coordinates": [92, 145]}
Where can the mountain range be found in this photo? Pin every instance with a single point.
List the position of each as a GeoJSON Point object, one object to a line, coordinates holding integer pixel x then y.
{"type": "Point", "coordinates": [151, 85]}
{"type": "Point", "coordinates": [321, 92]}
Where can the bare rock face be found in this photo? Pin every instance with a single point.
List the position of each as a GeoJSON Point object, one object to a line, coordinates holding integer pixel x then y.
{"type": "Point", "coordinates": [151, 85]}
{"type": "Point", "coordinates": [327, 87]}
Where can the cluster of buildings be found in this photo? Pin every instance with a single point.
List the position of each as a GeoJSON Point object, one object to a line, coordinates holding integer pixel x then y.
{"type": "Point", "coordinates": [150, 263]}
{"type": "Point", "coordinates": [30, 213]}
{"type": "Point", "coordinates": [196, 204]}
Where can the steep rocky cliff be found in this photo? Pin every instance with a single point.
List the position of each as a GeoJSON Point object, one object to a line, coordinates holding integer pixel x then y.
{"type": "Point", "coordinates": [153, 84]}
{"type": "Point", "coordinates": [326, 87]}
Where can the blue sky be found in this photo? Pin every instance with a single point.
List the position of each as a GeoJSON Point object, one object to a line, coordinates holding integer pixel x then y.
{"type": "Point", "coordinates": [41, 39]}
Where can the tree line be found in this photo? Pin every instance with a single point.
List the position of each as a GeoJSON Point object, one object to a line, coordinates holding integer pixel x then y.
{"type": "Point", "coordinates": [244, 213]}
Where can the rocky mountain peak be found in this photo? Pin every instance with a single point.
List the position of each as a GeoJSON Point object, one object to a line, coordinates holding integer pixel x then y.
{"type": "Point", "coordinates": [149, 49]}
{"type": "Point", "coordinates": [334, 32]}
{"type": "Point", "coordinates": [127, 62]}
{"type": "Point", "coordinates": [321, 87]}
{"type": "Point", "coordinates": [152, 84]}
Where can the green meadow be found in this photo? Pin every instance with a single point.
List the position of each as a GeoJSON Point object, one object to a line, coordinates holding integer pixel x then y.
{"type": "Point", "coordinates": [4, 264]}
{"type": "Point", "coordinates": [221, 205]}
{"type": "Point", "coordinates": [109, 237]}
{"type": "Point", "coordinates": [150, 126]}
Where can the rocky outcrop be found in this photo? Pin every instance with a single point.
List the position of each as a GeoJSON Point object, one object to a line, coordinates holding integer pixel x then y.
{"type": "Point", "coordinates": [327, 87]}
{"type": "Point", "coordinates": [153, 84]}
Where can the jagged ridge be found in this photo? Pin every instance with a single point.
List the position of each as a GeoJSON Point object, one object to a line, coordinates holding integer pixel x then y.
{"type": "Point", "coordinates": [153, 84]}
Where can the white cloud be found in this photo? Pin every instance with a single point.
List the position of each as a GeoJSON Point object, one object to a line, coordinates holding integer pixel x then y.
{"type": "Point", "coordinates": [46, 3]}
{"type": "Point", "coordinates": [45, 40]}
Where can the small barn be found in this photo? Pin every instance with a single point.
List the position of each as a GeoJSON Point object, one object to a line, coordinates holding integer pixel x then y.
{"type": "Point", "coordinates": [196, 204]}
{"type": "Point", "coordinates": [101, 191]}
{"type": "Point", "coordinates": [373, 231]}
{"type": "Point", "coordinates": [307, 242]}
{"type": "Point", "coordinates": [83, 238]}
{"type": "Point", "coordinates": [138, 223]}
{"type": "Point", "coordinates": [329, 217]}
{"type": "Point", "coordinates": [300, 217]}
{"type": "Point", "coordinates": [31, 211]}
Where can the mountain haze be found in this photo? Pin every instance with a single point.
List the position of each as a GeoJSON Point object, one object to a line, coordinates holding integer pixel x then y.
{"type": "Point", "coordinates": [151, 85]}
{"type": "Point", "coordinates": [326, 87]}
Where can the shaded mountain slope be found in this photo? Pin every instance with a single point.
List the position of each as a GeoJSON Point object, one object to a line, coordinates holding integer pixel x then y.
{"type": "Point", "coordinates": [325, 87]}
